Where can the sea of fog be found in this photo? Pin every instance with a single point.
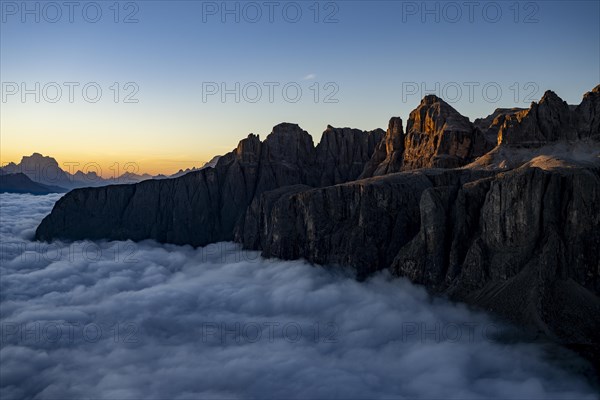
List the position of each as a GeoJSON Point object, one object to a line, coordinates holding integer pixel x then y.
{"type": "Point", "coordinates": [123, 320]}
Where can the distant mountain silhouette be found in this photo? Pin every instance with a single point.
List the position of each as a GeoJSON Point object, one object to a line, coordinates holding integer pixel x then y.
{"type": "Point", "coordinates": [46, 171]}
{"type": "Point", "coordinates": [20, 183]}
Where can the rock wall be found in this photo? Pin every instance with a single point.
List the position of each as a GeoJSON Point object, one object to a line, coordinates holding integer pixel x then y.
{"type": "Point", "coordinates": [205, 206]}
{"type": "Point", "coordinates": [523, 244]}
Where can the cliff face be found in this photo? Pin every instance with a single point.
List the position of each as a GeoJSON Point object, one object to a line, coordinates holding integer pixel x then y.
{"type": "Point", "coordinates": [343, 153]}
{"type": "Point", "coordinates": [521, 243]}
{"type": "Point", "coordinates": [205, 206]}
{"type": "Point", "coordinates": [361, 224]}
{"type": "Point", "coordinates": [587, 115]}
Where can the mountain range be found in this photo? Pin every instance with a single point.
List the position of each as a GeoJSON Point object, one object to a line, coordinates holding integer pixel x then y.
{"type": "Point", "coordinates": [46, 172]}
{"type": "Point", "coordinates": [502, 213]}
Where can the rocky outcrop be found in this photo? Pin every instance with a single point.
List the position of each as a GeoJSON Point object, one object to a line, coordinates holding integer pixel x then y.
{"type": "Point", "coordinates": [387, 157]}
{"type": "Point", "coordinates": [547, 121]}
{"type": "Point", "coordinates": [343, 152]}
{"type": "Point", "coordinates": [205, 206]}
{"type": "Point", "coordinates": [437, 136]}
{"type": "Point", "coordinates": [587, 115]}
{"type": "Point", "coordinates": [490, 125]}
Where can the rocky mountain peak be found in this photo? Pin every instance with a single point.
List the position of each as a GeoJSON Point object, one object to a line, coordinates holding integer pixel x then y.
{"type": "Point", "coordinates": [587, 115]}
{"type": "Point", "coordinates": [38, 159]}
{"type": "Point", "coordinates": [490, 125]}
{"type": "Point", "coordinates": [550, 97]}
{"type": "Point", "coordinates": [434, 115]}
{"type": "Point", "coordinates": [388, 154]}
{"type": "Point", "coordinates": [343, 152]}
{"type": "Point", "coordinates": [431, 99]}
{"type": "Point", "coordinates": [439, 136]}
{"type": "Point", "coordinates": [549, 120]}
{"type": "Point", "coordinates": [288, 143]}
{"type": "Point", "coordinates": [287, 128]}
{"type": "Point", "coordinates": [248, 149]}
{"type": "Point", "coordinates": [41, 169]}
{"type": "Point", "coordinates": [394, 137]}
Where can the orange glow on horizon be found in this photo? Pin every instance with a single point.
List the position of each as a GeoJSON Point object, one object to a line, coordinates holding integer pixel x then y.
{"type": "Point", "coordinates": [108, 167]}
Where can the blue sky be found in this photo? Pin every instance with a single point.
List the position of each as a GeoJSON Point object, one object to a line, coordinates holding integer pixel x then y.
{"type": "Point", "coordinates": [377, 57]}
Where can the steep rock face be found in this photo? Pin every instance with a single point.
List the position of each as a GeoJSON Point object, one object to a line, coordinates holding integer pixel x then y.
{"type": "Point", "coordinates": [343, 152]}
{"type": "Point", "coordinates": [169, 210]}
{"type": "Point", "coordinates": [361, 224]}
{"type": "Point", "coordinates": [354, 224]}
{"type": "Point", "coordinates": [490, 125]}
{"type": "Point", "coordinates": [522, 244]}
{"type": "Point", "coordinates": [388, 156]}
{"type": "Point", "coordinates": [438, 136]}
{"type": "Point", "coordinates": [205, 206]}
{"type": "Point", "coordinates": [587, 115]}
{"type": "Point", "coordinates": [549, 120]}
{"type": "Point", "coordinates": [287, 157]}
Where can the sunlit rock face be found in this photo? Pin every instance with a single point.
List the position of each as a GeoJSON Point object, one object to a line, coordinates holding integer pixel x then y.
{"type": "Point", "coordinates": [490, 125]}
{"type": "Point", "coordinates": [438, 136]}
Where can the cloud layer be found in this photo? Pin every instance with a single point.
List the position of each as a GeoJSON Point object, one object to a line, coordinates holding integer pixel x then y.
{"type": "Point", "coordinates": [132, 321]}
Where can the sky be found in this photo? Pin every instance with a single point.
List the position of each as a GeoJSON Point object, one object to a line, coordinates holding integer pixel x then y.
{"type": "Point", "coordinates": [124, 320]}
{"type": "Point", "coordinates": [168, 85]}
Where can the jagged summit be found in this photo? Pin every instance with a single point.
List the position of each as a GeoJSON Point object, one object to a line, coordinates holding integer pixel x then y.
{"type": "Point", "coordinates": [388, 155]}
{"type": "Point", "coordinates": [587, 114]}
{"type": "Point", "coordinates": [550, 120]}
{"type": "Point", "coordinates": [439, 136]}
{"type": "Point", "coordinates": [430, 99]}
{"type": "Point", "coordinates": [343, 152]}
{"type": "Point", "coordinates": [37, 157]}
{"type": "Point", "coordinates": [287, 128]}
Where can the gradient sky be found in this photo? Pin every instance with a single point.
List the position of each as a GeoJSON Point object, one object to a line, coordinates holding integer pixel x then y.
{"type": "Point", "coordinates": [373, 54]}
